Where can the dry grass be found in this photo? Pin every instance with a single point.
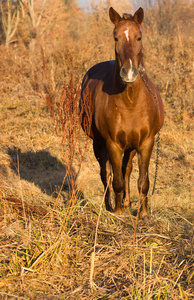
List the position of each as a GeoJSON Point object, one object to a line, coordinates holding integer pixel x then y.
{"type": "Point", "coordinates": [54, 248]}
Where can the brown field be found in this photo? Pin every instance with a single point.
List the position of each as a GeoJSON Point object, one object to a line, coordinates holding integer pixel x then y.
{"type": "Point", "coordinates": [57, 241]}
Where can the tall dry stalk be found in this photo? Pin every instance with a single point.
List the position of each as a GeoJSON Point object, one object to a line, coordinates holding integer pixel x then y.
{"type": "Point", "coordinates": [66, 115]}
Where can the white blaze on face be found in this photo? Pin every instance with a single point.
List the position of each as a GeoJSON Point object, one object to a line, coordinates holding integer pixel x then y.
{"type": "Point", "coordinates": [126, 32]}
{"type": "Point", "coordinates": [130, 72]}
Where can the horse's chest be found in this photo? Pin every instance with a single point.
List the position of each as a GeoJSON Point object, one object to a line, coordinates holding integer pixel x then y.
{"type": "Point", "coordinates": [125, 126]}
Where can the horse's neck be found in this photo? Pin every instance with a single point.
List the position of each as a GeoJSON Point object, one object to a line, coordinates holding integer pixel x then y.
{"type": "Point", "coordinates": [129, 90]}
{"type": "Point", "coordinates": [118, 85]}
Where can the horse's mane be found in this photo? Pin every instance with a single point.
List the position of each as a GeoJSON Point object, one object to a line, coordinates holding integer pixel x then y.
{"type": "Point", "coordinates": [127, 17]}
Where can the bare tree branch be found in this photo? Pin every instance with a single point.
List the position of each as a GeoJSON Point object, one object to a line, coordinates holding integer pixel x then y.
{"type": "Point", "coordinates": [36, 20]}
{"type": "Point", "coordinates": [10, 19]}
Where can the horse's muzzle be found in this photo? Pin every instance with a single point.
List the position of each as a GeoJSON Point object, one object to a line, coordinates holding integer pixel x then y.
{"type": "Point", "coordinates": [129, 73]}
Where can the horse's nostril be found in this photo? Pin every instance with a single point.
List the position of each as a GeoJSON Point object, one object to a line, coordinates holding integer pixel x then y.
{"type": "Point", "coordinates": [135, 71]}
{"type": "Point", "coordinates": [124, 72]}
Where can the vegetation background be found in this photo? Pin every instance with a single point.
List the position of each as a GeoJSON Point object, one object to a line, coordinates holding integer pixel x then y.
{"type": "Point", "coordinates": [56, 239]}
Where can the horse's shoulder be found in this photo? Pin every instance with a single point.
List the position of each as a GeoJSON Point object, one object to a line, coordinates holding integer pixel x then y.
{"type": "Point", "coordinates": [155, 91]}
{"type": "Point", "coordinates": [152, 86]}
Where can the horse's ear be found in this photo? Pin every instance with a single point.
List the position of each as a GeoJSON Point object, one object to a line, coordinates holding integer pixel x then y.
{"type": "Point", "coordinates": [114, 16]}
{"type": "Point", "coordinates": [139, 15]}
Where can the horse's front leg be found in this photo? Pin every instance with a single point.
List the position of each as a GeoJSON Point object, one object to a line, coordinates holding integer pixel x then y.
{"type": "Point", "coordinates": [115, 156]}
{"type": "Point", "coordinates": [143, 181]}
{"type": "Point", "coordinates": [127, 168]}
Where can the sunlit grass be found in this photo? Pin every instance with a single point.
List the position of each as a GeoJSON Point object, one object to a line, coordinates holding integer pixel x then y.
{"type": "Point", "coordinates": [47, 236]}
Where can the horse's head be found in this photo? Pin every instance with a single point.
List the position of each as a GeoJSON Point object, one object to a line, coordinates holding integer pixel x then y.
{"type": "Point", "coordinates": [128, 45]}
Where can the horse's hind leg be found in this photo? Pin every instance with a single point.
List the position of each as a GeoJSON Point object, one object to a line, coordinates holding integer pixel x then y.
{"type": "Point", "coordinates": [105, 172]}
{"type": "Point", "coordinates": [127, 169]}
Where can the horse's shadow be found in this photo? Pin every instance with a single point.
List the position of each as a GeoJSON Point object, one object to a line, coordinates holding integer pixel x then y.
{"type": "Point", "coordinates": [40, 168]}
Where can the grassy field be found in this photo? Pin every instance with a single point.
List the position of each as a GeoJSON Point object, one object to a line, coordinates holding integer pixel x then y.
{"type": "Point", "coordinates": [57, 244]}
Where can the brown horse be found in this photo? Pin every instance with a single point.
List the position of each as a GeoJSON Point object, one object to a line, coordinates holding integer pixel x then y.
{"type": "Point", "coordinates": [127, 112]}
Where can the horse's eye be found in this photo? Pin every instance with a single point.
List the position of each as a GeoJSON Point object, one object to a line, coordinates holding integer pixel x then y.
{"type": "Point", "coordinates": [139, 39]}
{"type": "Point", "coordinates": [116, 39]}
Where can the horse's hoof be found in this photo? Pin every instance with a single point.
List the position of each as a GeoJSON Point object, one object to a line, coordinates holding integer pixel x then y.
{"type": "Point", "coordinates": [127, 202]}
{"type": "Point", "coordinates": [109, 208]}
{"type": "Point", "coordinates": [144, 216]}
{"type": "Point", "coordinates": [118, 211]}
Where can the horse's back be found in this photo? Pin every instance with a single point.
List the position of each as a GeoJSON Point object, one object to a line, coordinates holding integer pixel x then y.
{"type": "Point", "coordinates": [98, 73]}
{"type": "Point", "coordinates": [94, 81]}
